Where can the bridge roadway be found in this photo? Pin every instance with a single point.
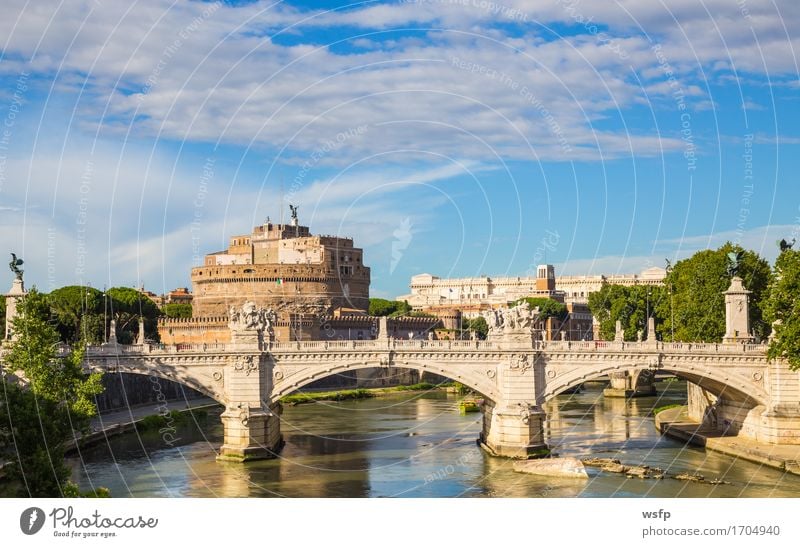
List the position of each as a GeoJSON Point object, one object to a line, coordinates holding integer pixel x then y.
{"type": "Point", "coordinates": [748, 393]}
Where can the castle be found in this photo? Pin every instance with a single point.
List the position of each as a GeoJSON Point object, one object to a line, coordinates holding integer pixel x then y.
{"type": "Point", "coordinates": [283, 267]}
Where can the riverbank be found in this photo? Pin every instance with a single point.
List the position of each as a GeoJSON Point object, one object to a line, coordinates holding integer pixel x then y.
{"type": "Point", "coordinates": [115, 423]}
{"type": "Point", "coordinates": [675, 422]}
{"type": "Point", "coordinates": [362, 393]}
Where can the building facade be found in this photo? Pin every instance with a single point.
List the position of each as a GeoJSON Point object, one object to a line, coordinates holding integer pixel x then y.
{"type": "Point", "coordinates": [283, 267]}
{"type": "Point", "coordinates": [474, 293]}
{"type": "Point", "coordinates": [578, 287]}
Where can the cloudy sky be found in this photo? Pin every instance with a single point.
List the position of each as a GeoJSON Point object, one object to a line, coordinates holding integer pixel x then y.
{"type": "Point", "coordinates": [455, 137]}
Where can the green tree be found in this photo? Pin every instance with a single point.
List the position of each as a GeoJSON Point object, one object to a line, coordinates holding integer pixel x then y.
{"type": "Point", "coordinates": [3, 312]}
{"type": "Point", "coordinates": [783, 308]}
{"type": "Point", "coordinates": [57, 401]}
{"type": "Point", "coordinates": [79, 314]}
{"type": "Point", "coordinates": [177, 310]}
{"type": "Point", "coordinates": [547, 307]}
{"type": "Point", "coordinates": [379, 307]}
{"type": "Point", "coordinates": [478, 325]}
{"type": "Point", "coordinates": [127, 306]}
{"type": "Point", "coordinates": [629, 305]}
{"type": "Point", "coordinates": [698, 304]}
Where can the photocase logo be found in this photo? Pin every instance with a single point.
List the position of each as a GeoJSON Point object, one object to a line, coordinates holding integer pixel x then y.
{"type": "Point", "coordinates": [402, 237]}
{"type": "Point", "coordinates": [31, 520]}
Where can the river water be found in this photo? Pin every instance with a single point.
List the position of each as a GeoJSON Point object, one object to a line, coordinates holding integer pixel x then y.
{"type": "Point", "coordinates": [417, 444]}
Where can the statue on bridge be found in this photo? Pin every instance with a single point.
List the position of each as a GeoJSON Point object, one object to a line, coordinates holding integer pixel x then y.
{"type": "Point", "coordinates": [14, 266]}
{"type": "Point", "coordinates": [251, 317]}
{"type": "Point", "coordinates": [516, 320]}
{"type": "Point", "coordinates": [734, 263]}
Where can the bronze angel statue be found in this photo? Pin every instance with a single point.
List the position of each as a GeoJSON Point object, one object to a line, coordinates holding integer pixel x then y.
{"type": "Point", "coordinates": [785, 245]}
{"type": "Point", "coordinates": [15, 264]}
{"type": "Point", "coordinates": [734, 262]}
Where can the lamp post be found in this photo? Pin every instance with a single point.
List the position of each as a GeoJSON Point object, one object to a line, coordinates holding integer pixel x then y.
{"type": "Point", "coordinates": [668, 271]}
{"type": "Point", "coordinates": [105, 317]}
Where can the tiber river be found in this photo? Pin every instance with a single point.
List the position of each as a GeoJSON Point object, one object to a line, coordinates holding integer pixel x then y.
{"type": "Point", "coordinates": [417, 444]}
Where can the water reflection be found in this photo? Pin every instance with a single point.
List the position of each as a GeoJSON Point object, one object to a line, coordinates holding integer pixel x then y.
{"type": "Point", "coordinates": [417, 444]}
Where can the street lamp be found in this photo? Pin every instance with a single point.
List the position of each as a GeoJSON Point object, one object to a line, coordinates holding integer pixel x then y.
{"type": "Point", "coordinates": [105, 317]}
{"type": "Point", "coordinates": [668, 271]}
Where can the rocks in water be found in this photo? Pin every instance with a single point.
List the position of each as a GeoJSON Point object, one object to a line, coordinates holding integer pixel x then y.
{"type": "Point", "coordinates": [599, 462]}
{"type": "Point", "coordinates": [691, 477]}
{"type": "Point", "coordinates": [717, 481]}
{"type": "Point", "coordinates": [645, 471]}
{"type": "Point", "coordinates": [553, 467]}
{"type": "Point", "coordinates": [606, 464]}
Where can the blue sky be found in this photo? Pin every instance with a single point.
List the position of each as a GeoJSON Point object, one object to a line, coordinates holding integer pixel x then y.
{"type": "Point", "coordinates": [448, 136]}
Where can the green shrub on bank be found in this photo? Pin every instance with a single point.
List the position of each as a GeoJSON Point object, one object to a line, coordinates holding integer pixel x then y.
{"type": "Point", "coordinates": [345, 395]}
{"type": "Point", "coordinates": [665, 407]}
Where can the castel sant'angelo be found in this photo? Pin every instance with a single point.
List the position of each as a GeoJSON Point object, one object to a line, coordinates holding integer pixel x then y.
{"type": "Point", "coordinates": [317, 285]}
{"type": "Point", "coordinates": [283, 267]}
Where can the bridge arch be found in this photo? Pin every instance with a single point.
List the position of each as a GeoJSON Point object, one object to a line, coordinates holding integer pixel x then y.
{"type": "Point", "coordinates": [165, 372]}
{"type": "Point", "coordinates": [722, 383]}
{"type": "Point", "coordinates": [473, 380]}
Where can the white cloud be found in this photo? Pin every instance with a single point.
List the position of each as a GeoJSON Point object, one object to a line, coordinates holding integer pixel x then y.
{"type": "Point", "coordinates": [231, 77]}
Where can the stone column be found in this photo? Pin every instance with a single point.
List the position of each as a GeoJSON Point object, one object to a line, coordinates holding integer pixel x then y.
{"type": "Point", "coordinates": [631, 384]}
{"type": "Point", "coordinates": [513, 426]}
{"type": "Point", "coordinates": [251, 424]}
{"type": "Point", "coordinates": [514, 431]}
{"type": "Point", "coordinates": [737, 316]}
{"type": "Point", "coordinates": [651, 330]}
{"type": "Point", "coordinates": [383, 328]}
{"type": "Point", "coordinates": [17, 291]}
{"type": "Point", "coordinates": [619, 386]}
{"type": "Point", "coordinates": [250, 434]}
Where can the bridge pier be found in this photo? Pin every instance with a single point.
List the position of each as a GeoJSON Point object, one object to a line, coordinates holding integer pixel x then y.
{"type": "Point", "coordinates": [626, 384]}
{"type": "Point", "coordinates": [513, 431]}
{"type": "Point", "coordinates": [251, 434]}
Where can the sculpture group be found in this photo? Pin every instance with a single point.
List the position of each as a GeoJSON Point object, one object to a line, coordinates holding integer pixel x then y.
{"type": "Point", "coordinates": [251, 317]}
{"type": "Point", "coordinates": [520, 318]}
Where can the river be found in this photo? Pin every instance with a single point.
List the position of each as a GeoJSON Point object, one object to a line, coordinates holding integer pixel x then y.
{"type": "Point", "coordinates": [417, 444]}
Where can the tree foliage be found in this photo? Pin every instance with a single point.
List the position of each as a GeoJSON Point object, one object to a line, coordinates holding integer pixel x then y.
{"type": "Point", "coordinates": [698, 304]}
{"type": "Point", "coordinates": [78, 312]}
{"type": "Point", "coordinates": [127, 306]}
{"type": "Point", "coordinates": [627, 304]}
{"type": "Point", "coordinates": [379, 307]}
{"type": "Point", "coordinates": [36, 420]}
{"type": "Point", "coordinates": [783, 307]}
{"type": "Point", "coordinates": [547, 307]}
{"type": "Point", "coordinates": [183, 311]}
{"type": "Point", "coordinates": [478, 325]}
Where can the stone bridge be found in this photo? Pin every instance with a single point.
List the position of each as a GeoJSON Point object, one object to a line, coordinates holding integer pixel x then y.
{"type": "Point", "coordinates": [752, 395]}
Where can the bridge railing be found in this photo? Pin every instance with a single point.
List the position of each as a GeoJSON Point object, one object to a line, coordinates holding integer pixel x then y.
{"type": "Point", "coordinates": [649, 347]}
{"type": "Point", "coordinates": [438, 345]}
{"type": "Point", "coordinates": [380, 344]}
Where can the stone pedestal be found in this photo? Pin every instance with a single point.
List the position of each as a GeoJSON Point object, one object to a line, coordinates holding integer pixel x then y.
{"type": "Point", "coordinates": [250, 434]}
{"type": "Point", "coordinates": [515, 431]}
{"type": "Point", "coordinates": [737, 315]}
{"type": "Point", "coordinates": [17, 291]}
{"type": "Point", "coordinates": [246, 340]}
{"type": "Point", "coordinates": [779, 426]}
{"type": "Point", "coordinates": [651, 331]}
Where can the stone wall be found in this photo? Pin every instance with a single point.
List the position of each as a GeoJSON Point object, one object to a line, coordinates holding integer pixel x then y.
{"type": "Point", "coordinates": [216, 288]}
{"type": "Point", "coordinates": [124, 390]}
